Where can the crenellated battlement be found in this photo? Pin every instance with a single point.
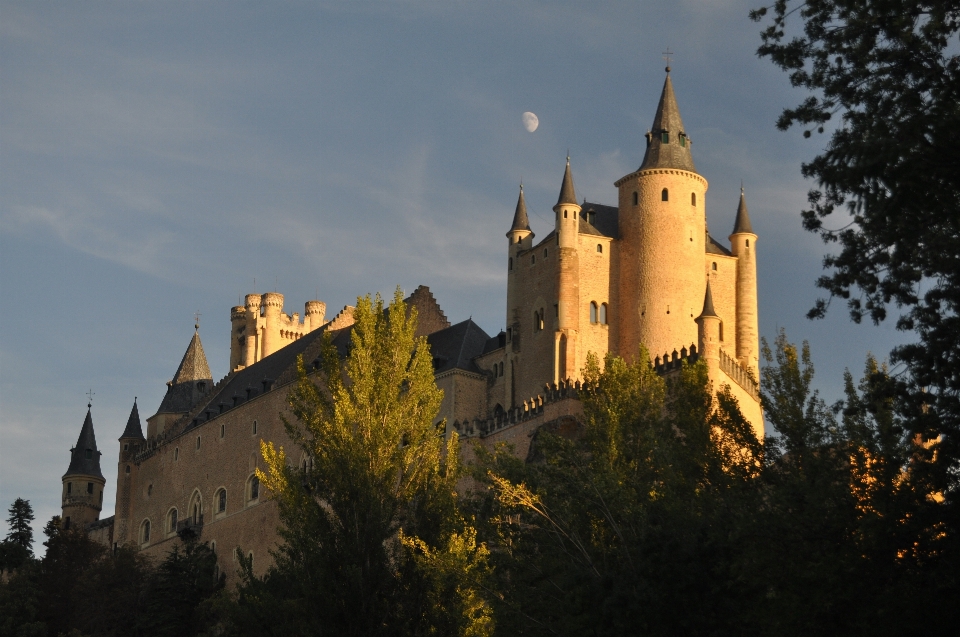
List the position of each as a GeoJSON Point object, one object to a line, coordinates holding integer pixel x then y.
{"type": "Point", "coordinates": [739, 375]}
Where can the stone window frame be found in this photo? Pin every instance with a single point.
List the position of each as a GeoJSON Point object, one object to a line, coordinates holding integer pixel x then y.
{"type": "Point", "coordinates": [171, 519]}
{"type": "Point", "coordinates": [195, 510]}
{"type": "Point", "coordinates": [603, 316]}
{"type": "Point", "coordinates": [143, 533]}
{"type": "Point", "coordinates": [250, 490]}
{"type": "Point", "coordinates": [594, 313]}
{"type": "Point", "coordinates": [220, 499]}
{"type": "Point", "coordinates": [665, 194]}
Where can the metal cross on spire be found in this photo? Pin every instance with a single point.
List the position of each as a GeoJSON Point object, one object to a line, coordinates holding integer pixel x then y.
{"type": "Point", "coordinates": [667, 56]}
{"type": "Point", "coordinates": [90, 395]}
{"type": "Point", "coordinates": [196, 320]}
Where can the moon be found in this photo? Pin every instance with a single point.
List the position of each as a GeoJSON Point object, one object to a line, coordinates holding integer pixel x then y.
{"type": "Point", "coordinates": [530, 121]}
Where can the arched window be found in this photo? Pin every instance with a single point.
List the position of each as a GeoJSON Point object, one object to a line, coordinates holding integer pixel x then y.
{"type": "Point", "coordinates": [593, 312]}
{"type": "Point", "coordinates": [693, 199]}
{"type": "Point", "coordinates": [254, 427]}
{"type": "Point", "coordinates": [714, 266]}
{"type": "Point", "coordinates": [221, 500]}
{"type": "Point", "coordinates": [564, 214]}
{"type": "Point", "coordinates": [664, 195]}
{"type": "Point", "coordinates": [603, 314]}
{"type": "Point", "coordinates": [541, 318]}
{"type": "Point", "coordinates": [172, 519]}
{"type": "Point", "coordinates": [196, 509]}
{"type": "Point", "coordinates": [636, 199]}
{"type": "Point", "coordinates": [253, 489]}
{"type": "Point", "coordinates": [600, 248]}
{"type": "Point", "coordinates": [544, 253]}
{"type": "Point", "coordinates": [145, 532]}
{"type": "Point", "coordinates": [748, 243]}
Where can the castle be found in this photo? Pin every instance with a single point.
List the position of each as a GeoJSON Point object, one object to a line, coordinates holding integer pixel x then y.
{"type": "Point", "coordinates": [605, 279]}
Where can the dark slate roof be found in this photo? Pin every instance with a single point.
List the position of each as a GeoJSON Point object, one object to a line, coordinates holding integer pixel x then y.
{"type": "Point", "coordinates": [193, 366]}
{"type": "Point", "coordinates": [715, 247]}
{"type": "Point", "coordinates": [280, 368]}
{"type": "Point", "coordinates": [667, 119]}
{"type": "Point", "coordinates": [190, 383]}
{"type": "Point", "coordinates": [457, 346]}
{"type": "Point", "coordinates": [133, 428]}
{"type": "Point", "coordinates": [708, 303]}
{"type": "Point", "coordinates": [567, 193]}
{"type": "Point", "coordinates": [742, 224]}
{"type": "Point", "coordinates": [80, 464]}
{"type": "Point", "coordinates": [520, 220]}
{"type": "Point", "coordinates": [605, 220]}
{"type": "Point", "coordinates": [495, 342]}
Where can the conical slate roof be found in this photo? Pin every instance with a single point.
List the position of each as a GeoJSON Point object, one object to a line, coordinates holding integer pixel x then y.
{"type": "Point", "coordinates": [675, 152]}
{"type": "Point", "coordinates": [190, 383]}
{"type": "Point", "coordinates": [194, 364]}
{"type": "Point", "coordinates": [133, 428]}
{"type": "Point", "coordinates": [708, 303]}
{"type": "Point", "coordinates": [567, 193]}
{"type": "Point", "coordinates": [520, 220]}
{"type": "Point", "coordinates": [84, 457]}
{"type": "Point", "coordinates": [742, 224]}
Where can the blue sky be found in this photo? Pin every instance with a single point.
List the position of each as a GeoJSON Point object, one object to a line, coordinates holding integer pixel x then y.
{"type": "Point", "coordinates": [156, 158]}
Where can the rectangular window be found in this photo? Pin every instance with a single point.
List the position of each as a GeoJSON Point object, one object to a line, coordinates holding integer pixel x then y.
{"type": "Point", "coordinates": [69, 488]}
{"type": "Point", "coordinates": [89, 487]}
{"type": "Point", "coordinates": [665, 137]}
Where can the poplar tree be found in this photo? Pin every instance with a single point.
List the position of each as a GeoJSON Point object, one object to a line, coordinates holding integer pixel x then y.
{"type": "Point", "coordinates": [372, 538]}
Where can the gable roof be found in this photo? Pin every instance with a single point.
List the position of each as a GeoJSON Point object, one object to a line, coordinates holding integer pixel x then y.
{"type": "Point", "coordinates": [457, 346]}
{"type": "Point", "coordinates": [606, 220]}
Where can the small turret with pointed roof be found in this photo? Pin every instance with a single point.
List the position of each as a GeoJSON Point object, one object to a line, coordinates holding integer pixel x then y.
{"type": "Point", "coordinates": [82, 494]}
{"type": "Point", "coordinates": [191, 381]}
{"type": "Point", "coordinates": [667, 143]}
{"type": "Point", "coordinates": [742, 224]}
{"type": "Point", "coordinates": [708, 310]}
{"type": "Point", "coordinates": [521, 223]}
{"type": "Point", "coordinates": [84, 457]}
{"type": "Point", "coordinates": [567, 193]}
{"type": "Point", "coordinates": [133, 430]}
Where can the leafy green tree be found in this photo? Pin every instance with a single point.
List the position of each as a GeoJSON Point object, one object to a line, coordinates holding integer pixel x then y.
{"type": "Point", "coordinates": [620, 529]}
{"type": "Point", "coordinates": [889, 178]}
{"type": "Point", "coordinates": [20, 531]}
{"type": "Point", "coordinates": [373, 541]}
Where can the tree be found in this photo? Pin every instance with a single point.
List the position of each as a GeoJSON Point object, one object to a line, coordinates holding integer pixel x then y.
{"type": "Point", "coordinates": [891, 72]}
{"type": "Point", "coordinates": [618, 529]}
{"type": "Point", "coordinates": [21, 515]}
{"type": "Point", "coordinates": [372, 538]}
{"type": "Point", "coordinates": [179, 593]}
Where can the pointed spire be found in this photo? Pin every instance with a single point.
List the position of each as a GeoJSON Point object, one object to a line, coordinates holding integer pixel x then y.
{"type": "Point", "coordinates": [194, 366]}
{"type": "Point", "coordinates": [520, 221]}
{"type": "Point", "coordinates": [675, 151]}
{"type": "Point", "coordinates": [133, 429]}
{"type": "Point", "coordinates": [742, 224]}
{"type": "Point", "coordinates": [567, 193]}
{"type": "Point", "coordinates": [84, 457]}
{"type": "Point", "coordinates": [708, 304]}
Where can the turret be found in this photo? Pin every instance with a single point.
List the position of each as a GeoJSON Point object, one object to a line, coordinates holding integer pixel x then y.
{"type": "Point", "coordinates": [272, 306]}
{"type": "Point", "coordinates": [252, 345]}
{"type": "Point", "coordinates": [662, 228]}
{"type": "Point", "coordinates": [82, 495]}
{"type": "Point", "coordinates": [313, 314]}
{"type": "Point", "coordinates": [191, 383]}
{"type": "Point", "coordinates": [238, 341]}
{"type": "Point", "coordinates": [568, 279]}
{"type": "Point", "coordinates": [708, 337]}
{"type": "Point", "coordinates": [743, 244]}
{"type": "Point", "coordinates": [131, 441]}
{"type": "Point", "coordinates": [520, 228]}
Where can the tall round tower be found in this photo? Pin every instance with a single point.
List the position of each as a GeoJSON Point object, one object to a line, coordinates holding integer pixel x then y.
{"type": "Point", "coordinates": [568, 280]}
{"type": "Point", "coordinates": [662, 231]}
{"type": "Point", "coordinates": [313, 313]}
{"type": "Point", "coordinates": [82, 495]}
{"type": "Point", "coordinates": [252, 345]}
{"type": "Point", "coordinates": [131, 442]}
{"type": "Point", "coordinates": [743, 244]}
{"type": "Point", "coordinates": [238, 328]}
{"type": "Point", "coordinates": [272, 306]}
{"type": "Point", "coordinates": [520, 238]}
